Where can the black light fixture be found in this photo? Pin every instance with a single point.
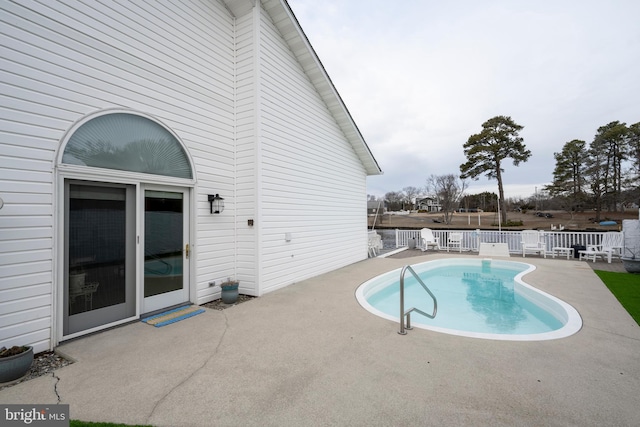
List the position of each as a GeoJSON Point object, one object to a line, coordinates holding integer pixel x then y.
{"type": "Point", "coordinates": [216, 203]}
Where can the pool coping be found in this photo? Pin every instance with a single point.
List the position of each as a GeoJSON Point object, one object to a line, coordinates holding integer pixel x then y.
{"type": "Point", "coordinates": [572, 321]}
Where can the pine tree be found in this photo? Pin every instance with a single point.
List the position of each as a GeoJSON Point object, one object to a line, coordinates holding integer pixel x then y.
{"type": "Point", "coordinates": [487, 150]}
{"type": "Point", "coordinates": [568, 175]}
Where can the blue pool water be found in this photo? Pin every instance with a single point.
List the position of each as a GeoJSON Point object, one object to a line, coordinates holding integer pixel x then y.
{"type": "Point", "coordinates": [163, 267]}
{"type": "Point", "coordinates": [477, 298]}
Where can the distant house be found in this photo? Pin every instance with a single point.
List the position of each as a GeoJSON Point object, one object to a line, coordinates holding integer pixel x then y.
{"type": "Point", "coordinates": [429, 204]}
{"type": "Point", "coordinates": [374, 207]}
{"type": "Point", "coordinates": [152, 149]}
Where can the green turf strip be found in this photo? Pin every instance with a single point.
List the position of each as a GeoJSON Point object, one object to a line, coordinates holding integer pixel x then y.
{"type": "Point", "coordinates": [626, 288]}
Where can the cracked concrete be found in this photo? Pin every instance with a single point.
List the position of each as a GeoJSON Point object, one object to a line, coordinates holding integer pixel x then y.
{"type": "Point", "coordinates": [204, 364]}
{"type": "Point", "coordinates": [55, 387]}
{"type": "Point", "coordinates": [41, 389]}
{"type": "Point", "coordinates": [308, 354]}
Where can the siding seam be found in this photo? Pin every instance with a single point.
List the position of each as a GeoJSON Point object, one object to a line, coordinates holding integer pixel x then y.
{"type": "Point", "coordinates": [235, 146]}
{"type": "Point", "coordinates": [257, 30]}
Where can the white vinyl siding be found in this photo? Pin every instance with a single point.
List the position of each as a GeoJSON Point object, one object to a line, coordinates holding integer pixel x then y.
{"type": "Point", "coordinates": [61, 61]}
{"type": "Point", "coordinates": [246, 165]}
{"type": "Point", "coordinates": [246, 96]}
{"type": "Point", "coordinates": [313, 184]}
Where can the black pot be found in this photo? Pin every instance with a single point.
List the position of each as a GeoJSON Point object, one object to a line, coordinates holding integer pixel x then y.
{"type": "Point", "coordinates": [14, 367]}
{"type": "Point", "coordinates": [577, 248]}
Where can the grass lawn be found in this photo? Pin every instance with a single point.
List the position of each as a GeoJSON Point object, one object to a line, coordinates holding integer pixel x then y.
{"type": "Point", "coordinates": [626, 288]}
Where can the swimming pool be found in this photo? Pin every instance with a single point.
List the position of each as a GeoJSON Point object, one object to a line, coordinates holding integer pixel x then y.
{"type": "Point", "coordinates": [163, 267]}
{"type": "Point", "coordinates": [476, 298]}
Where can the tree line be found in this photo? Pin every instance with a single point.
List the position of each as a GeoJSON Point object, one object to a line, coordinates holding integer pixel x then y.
{"type": "Point", "coordinates": [603, 175]}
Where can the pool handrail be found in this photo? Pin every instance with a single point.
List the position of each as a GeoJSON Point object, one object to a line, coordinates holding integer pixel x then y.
{"type": "Point", "coordinates": [407, 313]}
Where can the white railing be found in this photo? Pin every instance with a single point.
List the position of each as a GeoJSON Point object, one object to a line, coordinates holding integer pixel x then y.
{"type": "Point", "coordinates": [471, 239]}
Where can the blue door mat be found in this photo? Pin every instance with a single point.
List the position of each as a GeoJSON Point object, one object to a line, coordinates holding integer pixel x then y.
{"type": "Point", "coordinates": [173, 315]}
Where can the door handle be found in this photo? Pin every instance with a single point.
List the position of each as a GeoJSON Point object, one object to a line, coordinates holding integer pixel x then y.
{"type": "Point", "coordinates": [186, 250]}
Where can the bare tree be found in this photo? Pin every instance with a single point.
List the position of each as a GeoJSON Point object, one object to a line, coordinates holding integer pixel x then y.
{"type": "Point", "coordinates": [411, 193]}
{"type": "Point", "coordinates": [448, 189]}
{"type": "Point", "coordinates": [394, 200]}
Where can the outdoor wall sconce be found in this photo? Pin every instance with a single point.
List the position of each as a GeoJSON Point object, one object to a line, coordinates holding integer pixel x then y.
{"type": "Point", "coordinates": [216, 203]}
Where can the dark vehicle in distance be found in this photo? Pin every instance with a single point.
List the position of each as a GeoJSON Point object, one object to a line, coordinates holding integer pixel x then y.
{"type": "Point", "coordinates": [544, 215]}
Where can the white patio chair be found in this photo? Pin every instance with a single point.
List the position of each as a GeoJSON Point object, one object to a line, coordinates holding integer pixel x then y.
{"type": "Point", "coordinates": [532, 241]}
{"type": "Point", "coordinates": [590, 254]}
{"type": "Point", "coordinates": [611, 244]}
{"type": "Point", "coordinates": [428, 240]}
{"type": "Point", "coordinates": [374, 243]}
{"type": "Point", "coordinates": [454, 241]}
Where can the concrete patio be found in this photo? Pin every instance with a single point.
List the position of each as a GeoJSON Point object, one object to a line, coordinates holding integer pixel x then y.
{"type": "Point", "coordinates": [310, 355]}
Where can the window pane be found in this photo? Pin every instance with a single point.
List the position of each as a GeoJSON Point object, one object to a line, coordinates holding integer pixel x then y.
{"type": "Point", "coordinates": [127, 142]}
{"type": "Point", "coordinates": [163, 239]}
{"type": "Point", "coordinates": [97, 231]}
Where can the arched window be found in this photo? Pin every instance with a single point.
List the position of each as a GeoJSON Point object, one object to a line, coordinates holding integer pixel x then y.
{"type": "Point", "coordinates": [127, 142]}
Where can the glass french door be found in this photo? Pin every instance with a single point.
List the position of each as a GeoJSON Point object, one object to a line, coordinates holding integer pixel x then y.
{"type": "Point", "coordinates": [99, 255]}
{"type": "Point", "coordinates": [101, 252]}
{"type": "Point", "coordinates": [165, 245]}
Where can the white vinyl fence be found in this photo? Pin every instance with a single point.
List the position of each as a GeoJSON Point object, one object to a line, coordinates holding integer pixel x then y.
{"type": "Point", "coordinates": [471, 239]}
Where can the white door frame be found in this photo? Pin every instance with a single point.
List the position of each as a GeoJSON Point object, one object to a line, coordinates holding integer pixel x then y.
{"type": "Point", "coordinates": [80, 172]}
{"type": "Point", "coordinates": [72, 172]}
{"type": "Point", "coordinates": [157, 302]}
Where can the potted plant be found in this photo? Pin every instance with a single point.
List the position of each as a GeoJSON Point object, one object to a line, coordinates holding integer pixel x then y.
{"type": "Point", "coordinates": [229, 293]}
{"type": "Point", "coordinates": [15, 362]}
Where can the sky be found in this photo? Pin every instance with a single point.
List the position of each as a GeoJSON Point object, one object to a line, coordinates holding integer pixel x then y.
{"type": "Point", "coordinates": [419, 77]}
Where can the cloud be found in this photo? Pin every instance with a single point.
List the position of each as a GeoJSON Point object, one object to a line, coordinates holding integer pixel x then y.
{"type": "Point", "coordinates": [420, 77]}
